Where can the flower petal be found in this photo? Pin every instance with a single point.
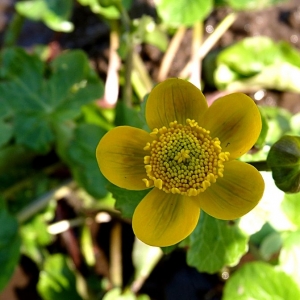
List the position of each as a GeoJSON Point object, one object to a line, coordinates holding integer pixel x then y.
{"type": "Point", "coordinates": [163, 219]}
{"type": "Point", "coordinates": [174, 99]}
{"type": "Point", "coordinates": [235, 194]}
{"type": "Point", "coordinates": [235, 120]}
{"type": "Point", "coordinates": [120, 156]}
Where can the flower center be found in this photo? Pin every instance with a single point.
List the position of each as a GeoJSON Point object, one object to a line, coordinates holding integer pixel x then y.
{"type": "Point", "coordinates": [183, 159]}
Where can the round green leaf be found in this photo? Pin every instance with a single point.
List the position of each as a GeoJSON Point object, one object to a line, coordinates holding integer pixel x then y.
{"type": "Point", "coordinates": [260, 281]}
{"type": "Point", "coordinates": [182, 12]}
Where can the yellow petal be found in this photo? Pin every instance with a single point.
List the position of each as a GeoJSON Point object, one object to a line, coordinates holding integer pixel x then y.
{"type": "Point", "coordinates": [163, 219]}
{"type": "Point", "coordinates": [235, 194]}
{"type": "Point", "coordinates": [236, 121]}
{"type": "Point", "coordinates": [120, 156]}
{"type": "Point", "coordinates": [174, 100]}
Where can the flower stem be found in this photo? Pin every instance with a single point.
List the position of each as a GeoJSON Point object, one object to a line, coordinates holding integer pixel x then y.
{"type": "Point", "coordinates": [260, 165]}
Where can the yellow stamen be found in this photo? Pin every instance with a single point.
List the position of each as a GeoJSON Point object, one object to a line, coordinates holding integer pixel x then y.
{"type": "Point", "coordinates": [184, 159]}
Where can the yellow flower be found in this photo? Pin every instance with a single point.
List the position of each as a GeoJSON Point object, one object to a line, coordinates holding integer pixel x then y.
{"type": "Point", "coordinates": [189, 158]}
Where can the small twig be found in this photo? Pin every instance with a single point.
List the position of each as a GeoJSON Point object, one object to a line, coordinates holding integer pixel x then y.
{"type": "Point", "coordinates": [210, 41]}
{"type": "Point", "coordinates": [170, 53]}
{"type": "Point", "coordinates": [196, 62]}
{"type": "Point", "coordinates": [125, 19]}
{"type": "Point", "coordinates": [111, 92]}
{"type": "Point", "coordinates": [116, 255]}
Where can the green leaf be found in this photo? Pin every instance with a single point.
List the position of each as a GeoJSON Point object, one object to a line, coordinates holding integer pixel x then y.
{"type": "Point", "coordinates": [128, 116]}
{"type": "Point", "coordinates": [260, 281]}
{"type": "Point", "coordinates": [109, 12]}
{"type": "Point", "coordinates": [248, 4]}
{"type": "Point", "coordinates": [278, 120]}
{"type": "Point", "coordinates": [270, 245]}
{"type": "Point", "coordinates": [54, 13]}
{"type": "Point", "coordinates": [32, 130]}
{"type": "Point", "coordinates": [6, 132]}
{"type": "Point", "coordinates": [83, 161]}
{"type": "Point", "coordinates": [10, 243]}
{"type": "Point", "coordinates": [147, 31]}
{"type": "Point", "coordinates": [215, 244]}
{"type": "Point", "coordinates": [291, 207]}
{"type": "Point", "coordinates": [182, 12]}
{"type": "Point", "coordinates": [118, 293]}
{"type": "Point", "coordinates": [126, 201]}
{"type": "Point", "coordinates": [264, 130]}
{"type": "Point", "coordinates": [38, 103]}
{"type": "Point", "coordinates": [57, 281]}
{"type": "Point", "coordinates": [284, 161]}
{"type": "Point", "coordinates": [289, 258]}
{"type": "Point", "coordinates": [34, 236]}
{"type": "Point", "coordinates": [260, 63]}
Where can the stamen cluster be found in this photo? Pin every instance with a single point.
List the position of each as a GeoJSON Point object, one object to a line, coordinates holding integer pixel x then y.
{"type": "Point", "coordinates": [183, 159]}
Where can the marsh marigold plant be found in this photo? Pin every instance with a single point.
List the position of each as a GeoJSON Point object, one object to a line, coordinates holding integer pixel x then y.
{"type": "Point", "coordinates": [187, 161]}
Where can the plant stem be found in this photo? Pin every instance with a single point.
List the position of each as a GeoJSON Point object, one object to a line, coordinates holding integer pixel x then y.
{"type": "Point", "coordinates": [112, 80]}
{"type": "Point", "coordinates": [140, 79]}
{"type": "Point", "coordinates": [116, 255]}
{"type": "Point", "coordinates": [170, 53]}
{"type": "Point", "coordinates": [195, 77]}
{"type": "Point", "coordinates": [260, 165]}
{"type": "Point", "coordinates": [126, 22]}
{"type": "Point", "coordinates": [211, 41]}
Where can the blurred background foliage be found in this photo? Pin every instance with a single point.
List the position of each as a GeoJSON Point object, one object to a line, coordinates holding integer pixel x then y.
{"type": "Point", "coordinates": [72, 70]}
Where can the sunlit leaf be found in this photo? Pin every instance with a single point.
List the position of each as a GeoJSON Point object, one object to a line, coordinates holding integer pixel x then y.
{"type": "Point", "coordinates": [107, 11]}
{"type": "Point", "coordinates": [54, 13]}
{"type": "Point", "coordinates": [57, 281]}
{"type": "Point", "coordinates": [289, 258]}
{"type": "Point", "coordinates": [117, 293]}
{"type": "Point", "coordinates": [291, 207]}
{"type": "Point", "coordinates": [182, 12]}
{"type": "Point", "coordinates": [258, 62]}
{"type": "Point", "coordinates": [260, 281]}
